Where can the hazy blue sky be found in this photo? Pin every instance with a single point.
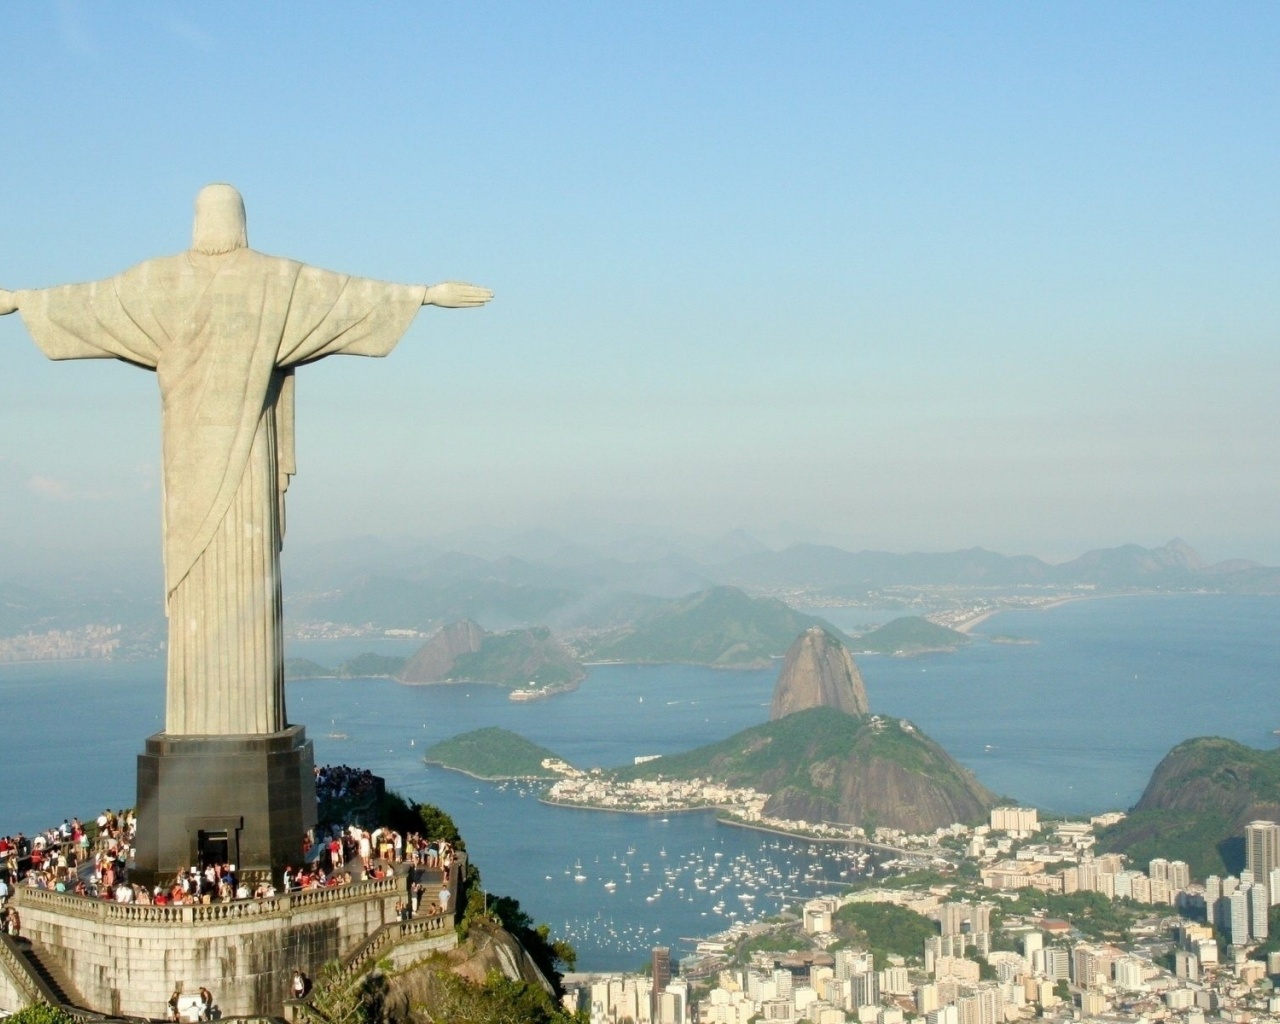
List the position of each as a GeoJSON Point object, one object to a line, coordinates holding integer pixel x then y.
{"type": "Point", "coordinates": [905, 276]}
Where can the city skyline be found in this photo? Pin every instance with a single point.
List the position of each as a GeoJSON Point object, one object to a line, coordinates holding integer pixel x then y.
{"type": "Point", "coordinates": [901, 278]}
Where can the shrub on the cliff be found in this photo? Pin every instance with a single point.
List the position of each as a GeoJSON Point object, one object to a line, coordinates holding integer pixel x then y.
{"type": "Point", "coordinates": [41, 1013]}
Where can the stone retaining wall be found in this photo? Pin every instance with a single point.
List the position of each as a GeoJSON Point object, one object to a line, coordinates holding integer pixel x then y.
{"type": "Point", "coordinates": [127, 959]}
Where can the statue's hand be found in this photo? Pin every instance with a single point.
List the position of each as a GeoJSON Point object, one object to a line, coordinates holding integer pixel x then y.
{"type": "Point", "coordinates": [455, 295]}
{"type": "Point", "coordinates": [8, 302]}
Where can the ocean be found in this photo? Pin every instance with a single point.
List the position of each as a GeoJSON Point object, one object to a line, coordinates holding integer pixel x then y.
{"type": "Point", "coordinates": [1072, 723]}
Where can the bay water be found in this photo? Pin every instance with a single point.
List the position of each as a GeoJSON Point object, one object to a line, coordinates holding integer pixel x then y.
{"type": "Point", "coordinates": [1073, 722]}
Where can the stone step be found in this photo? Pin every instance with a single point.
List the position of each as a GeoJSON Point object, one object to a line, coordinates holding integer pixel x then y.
{"type": "Point", "coordinates": [45, 964]}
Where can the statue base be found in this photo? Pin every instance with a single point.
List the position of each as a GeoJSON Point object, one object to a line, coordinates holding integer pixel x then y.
{"type": "Point", "coordinates": [242, 800]}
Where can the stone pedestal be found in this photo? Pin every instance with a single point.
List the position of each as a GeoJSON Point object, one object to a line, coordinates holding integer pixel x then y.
{"type": "Point", "coordinates": [243, 800]}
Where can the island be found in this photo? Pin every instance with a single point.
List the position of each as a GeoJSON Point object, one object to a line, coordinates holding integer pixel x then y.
{"type": "Point", "coordinates": [910, 635]}
{"type": "Point", "coordinates": [495, 755]}
{"type": "Point", "coordinates": [1013, 641]}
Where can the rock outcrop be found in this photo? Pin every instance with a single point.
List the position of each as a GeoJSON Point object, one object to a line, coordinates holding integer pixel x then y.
{"type": "Point", "coordinates": [824, 765]}
{"type": "Point", "coordinates": [891, 775]}
{"type": "Point", "coordinates": [425, 989]}
{"type": "Point", "coordinates": [464, 653]}
{"type": "Point", "coordinates": [818, 672]}
{"type": "Point", "coordinates": [1197, 804]}
{"type": "Point", "coordinates": [433, 662]}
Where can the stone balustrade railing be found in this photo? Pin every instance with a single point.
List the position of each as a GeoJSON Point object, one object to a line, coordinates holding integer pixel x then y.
{"type": "Point", "coordinates": [88, 908]}
{"type": "Point", "coordinates": [33, 986]}
{"type": "Point", "coordinates": [19, 970]}
{"type": "Point", "coordinates": [358, 961]}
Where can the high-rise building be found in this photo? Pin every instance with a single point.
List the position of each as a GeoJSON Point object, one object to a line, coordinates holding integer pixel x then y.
{"type": "Point", "coordinates": [1111, 863]}
{"type": "Point", "coordinates": [1085, 971]}
{"type": "Point", "coordinates": [894, 981]}
{"type": "Point", "coordinates": [1057, 960]}
{"type": "Point", "coordinates": [1259, 908]}
{"type": "Point", "coordinates": [1140, 887]}
{"type": "Point", "coordinates": [1128, 972]}
{"type": "Point", "coordinates": [866, 989]}
{"type": "Point", "coordinates": [1261, 848]}
{"type": "Point", "coordinates": [1238, 917]}
{"type": "Point", "coordinates": [1179, 874]}
{"type": "Point", "coordinates": [661, 963]}
{"type": "Point", "coordinates": [1015, 819]}
{"type": "Point", "coordinates": [926, 998]}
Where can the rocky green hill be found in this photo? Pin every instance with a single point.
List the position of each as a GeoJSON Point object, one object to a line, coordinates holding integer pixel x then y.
{"type": "Point", "coordinates": [517, 657]}
{"type": "Point", "coordinates": [1197, 804]}
{"type": "Point", "coordinates": [818, 672]}
{"type": "Point", "coordinates": [722, 627]}
{"type": "Point", "coordinates": [823, 765]}
{"type": "Point", "coordinates": [492, 754]}
{"type": "Point", "coordinates": [910, 635]}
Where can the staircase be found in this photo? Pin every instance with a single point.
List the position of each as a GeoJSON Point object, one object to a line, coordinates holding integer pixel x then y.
{"type": "Point", "coordinates": [46, 967]}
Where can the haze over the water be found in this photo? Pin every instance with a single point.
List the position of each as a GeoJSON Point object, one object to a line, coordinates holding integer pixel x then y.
{"type": "Point", "coordinates": [896, 276]}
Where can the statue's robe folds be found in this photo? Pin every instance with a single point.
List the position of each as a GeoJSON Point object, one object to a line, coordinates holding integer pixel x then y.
{"type": "Point", "coordinates": [223, 334]}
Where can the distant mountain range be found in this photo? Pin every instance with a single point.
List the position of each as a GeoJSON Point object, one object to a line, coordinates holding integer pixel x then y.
{"type": "Point", "coordinates": [572, 588]}
{"type": "Point", "coordinates": [722, 627]}
{"type": "Point", "coordinates": [568, 586]}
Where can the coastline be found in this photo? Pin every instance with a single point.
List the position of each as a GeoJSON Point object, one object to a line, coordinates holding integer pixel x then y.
{"type": "Point", "coordinates": [1056, 602]}
{"type": "Point", "coordinates": [870, 844]}
{"type": "Point", "coordinates": [977, 620]}
{"type": "Point", "coordinates": [630, 810]}
{"type": "Point", "coordinates": [489, 778]}
{"type": "Point", "coordinates": [723, 818]}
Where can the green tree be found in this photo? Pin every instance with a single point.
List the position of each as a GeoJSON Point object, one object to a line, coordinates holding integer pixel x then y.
{"type": "Point", "coordinates": [884, 929]}
{"type": "Point", "coordinates": [497, 1001]}
{"type": "Point", "coordinates": [425, 819]}
{"type": "Point", "coordinates": [344, 1000]}
{"type": "Point", "coordinates": [42, 1013]}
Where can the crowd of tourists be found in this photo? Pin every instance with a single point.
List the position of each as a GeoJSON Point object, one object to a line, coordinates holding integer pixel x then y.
{"type": "Point", "coordinates": [91, 860]}
{"type": "Point", "coordinates": [71, 857]}
{"type": "Point", "coordinates": [341, 782]}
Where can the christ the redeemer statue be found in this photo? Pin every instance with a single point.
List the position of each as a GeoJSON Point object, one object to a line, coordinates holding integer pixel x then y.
{"type": "Point", "coordinates": [224, 327]}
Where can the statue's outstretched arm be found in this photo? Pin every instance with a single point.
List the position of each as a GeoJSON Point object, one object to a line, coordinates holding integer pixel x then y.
{"type": "Point", "coordinates": [8, 302]}
{"type": "Point", "coordinates": [455, 295]}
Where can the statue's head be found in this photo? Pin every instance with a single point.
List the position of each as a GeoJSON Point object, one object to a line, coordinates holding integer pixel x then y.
{"type": "Point", "coordinates": [219, 225]}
